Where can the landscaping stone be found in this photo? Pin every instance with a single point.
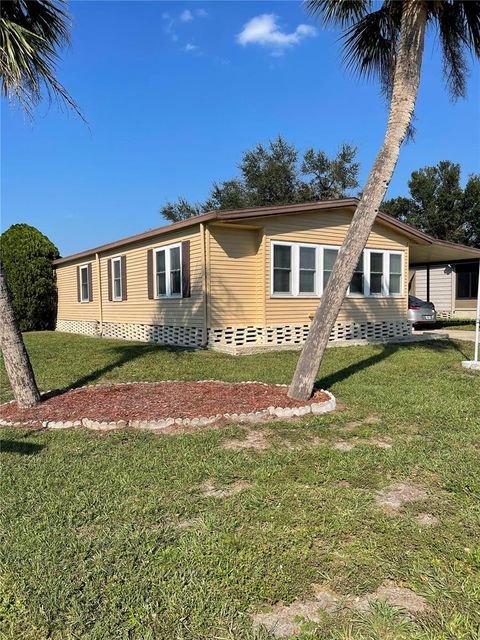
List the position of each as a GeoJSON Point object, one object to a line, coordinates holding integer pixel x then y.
{"type": "Point", "coordinates": [156, 398]}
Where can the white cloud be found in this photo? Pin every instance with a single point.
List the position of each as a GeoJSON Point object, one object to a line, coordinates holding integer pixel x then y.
{"type": "Point", "coordinates": [201, 13]}
{"type": "Point", "coordinates": [191, 47]}
{"type": "Point", "coordinates": [265, 31]}
{"type": "Point", "coordinates": [186, 16]}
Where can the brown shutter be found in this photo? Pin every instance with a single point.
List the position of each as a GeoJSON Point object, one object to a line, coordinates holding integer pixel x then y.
{"type": "Point", "coordinates": [123, 271]}
{"type": "Point", "coordinates": [79, 297]}
{"type": "Point", "coordinates": [90, 289]}
{"type": "Point", "coordinates": [109, 279]}
{"type": "Point", "coordinates": [150, 274]}
{"type": "Point", "coordinates": [186, 288]}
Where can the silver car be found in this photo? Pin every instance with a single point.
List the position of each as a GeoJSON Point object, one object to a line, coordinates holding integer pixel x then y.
{"type": "Point", "coordinates": [420, 311]}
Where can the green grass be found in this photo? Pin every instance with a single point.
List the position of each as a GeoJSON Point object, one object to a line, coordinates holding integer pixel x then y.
{"type": "Point", "coordinates": [91, 546]}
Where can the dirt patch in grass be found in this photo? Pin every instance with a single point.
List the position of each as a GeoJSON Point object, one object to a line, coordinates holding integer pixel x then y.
{"type": "Point", "coordinates": [427, 519]}
{"type": "Point", "coordinates": [393, 497]}
{"type": "Point", "coordinates": [155, 401]}
{"type": "Point", "coordinates": [348, 445]}
{"type": "Point", "coordinates": [285, 621]}
{"type": "Point", "coordinates": [259, 440]}
{"type": "Point", "coordinates": [208, 489]}
{"type": "Point", "coordinates": [406, 600]}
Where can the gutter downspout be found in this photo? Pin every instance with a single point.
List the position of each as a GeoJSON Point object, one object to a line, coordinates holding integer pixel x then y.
{"type": "Point", "coordinates": [100, 296]}
{"type": "Point", "coordinates": [204, 284]}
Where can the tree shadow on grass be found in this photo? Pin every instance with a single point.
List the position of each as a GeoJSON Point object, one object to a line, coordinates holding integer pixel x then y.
{"type": "Point", "coordinates": [126, 353]}
{"type": "Point", "coordinates": [22, 448]}
{"type": "Point", "coordinates": [387, 350]}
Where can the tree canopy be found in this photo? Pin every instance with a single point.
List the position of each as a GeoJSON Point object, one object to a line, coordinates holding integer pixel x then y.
{"type": "Point", "coordinates": [273, 174]}
{"type": "Point", "coordinates": [439, 205]}
{"type": "Point", "coordinates": [27, 257]}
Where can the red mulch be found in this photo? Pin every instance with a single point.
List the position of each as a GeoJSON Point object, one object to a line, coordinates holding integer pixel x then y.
{"type": "Point", "coordinates": [156, 401]}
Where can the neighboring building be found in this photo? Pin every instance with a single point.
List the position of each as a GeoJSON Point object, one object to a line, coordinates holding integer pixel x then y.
{"type": "Point", "coordinates": [452, 287]}
{"type": "Point", "coordinates": [249, 278]}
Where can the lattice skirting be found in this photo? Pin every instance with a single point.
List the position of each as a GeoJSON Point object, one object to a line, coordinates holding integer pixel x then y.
{"type": "Point", "coordinates": [443, 314]}
{"type": "Point", "coordinates": [163, 334]}
{"type": "Point", "coordinates": [233, 338]}
{"type": "Point", "coordinates": [84, 327]}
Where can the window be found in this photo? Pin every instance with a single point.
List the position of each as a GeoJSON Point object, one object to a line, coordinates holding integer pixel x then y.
{"type": "Point", "coordinates": [376, 272]}
{"type": "Point", "coordinates": [307, 269]}
{"type": "Point", "coordinates": [329, 257]}
{"type": "Point", "coordinates": [84, 284]}
{"type": "Point", "coordinates": [467, 281]}
{"type": "Point", "coordinates": [395, 274]}
{"type": "Point", "coordinates": [295, 268]}
{"type": "Point", "coordinates": [168, 271]}
{"type": "Point", "coordinates": [282, 268]}
{"type": "Point", "coordinates": [117, 278]}
{"type": "Point", "coordinates": [357, 284]}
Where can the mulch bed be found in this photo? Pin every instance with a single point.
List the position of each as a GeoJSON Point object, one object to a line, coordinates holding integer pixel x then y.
{"type": "Point", "coordinates": [155, 401]}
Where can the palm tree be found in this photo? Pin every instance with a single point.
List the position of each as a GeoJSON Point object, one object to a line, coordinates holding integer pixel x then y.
{"type": "Point", "coordinates": [31, 32]}
{"type": "Point", "coordinates": [387, 43]}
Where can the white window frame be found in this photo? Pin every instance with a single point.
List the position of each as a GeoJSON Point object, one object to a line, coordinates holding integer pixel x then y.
{"type": "Point", "coordinates": [294, 270]}
{"type": "Point", "coordinates": [402, 274]}
{"type": "Point", "coordinates": [319, 264]}
{"type": "Point", "coordinates": [112, 275]}
{"type": "Point", "coordinates": [81, 268]}
{"type": "Point", "coordinates": [168, 293]}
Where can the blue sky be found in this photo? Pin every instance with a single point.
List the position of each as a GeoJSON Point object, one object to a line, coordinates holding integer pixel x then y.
{"type": "Point", "coordinates": [174, 92]}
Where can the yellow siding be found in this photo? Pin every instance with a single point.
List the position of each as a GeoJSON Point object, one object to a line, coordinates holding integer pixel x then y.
{"type": "Point", "coordinates": [68, 306]}
{"type": "Point", "coordinates": [137, 308]}
{"type": "Point", "coordinates": [317, 228]}
{"type": "Point", "coordinates": [235, 276]}
{"type": "Point", "coordinates": [238, 277]}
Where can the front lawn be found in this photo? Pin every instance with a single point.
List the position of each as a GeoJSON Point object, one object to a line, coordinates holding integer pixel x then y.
{"type": "Point", "coordinates": [129, 535]}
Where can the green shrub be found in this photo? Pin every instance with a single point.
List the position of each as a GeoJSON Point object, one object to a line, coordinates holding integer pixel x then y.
{"type": "Point", "coordinates": [27, 259]}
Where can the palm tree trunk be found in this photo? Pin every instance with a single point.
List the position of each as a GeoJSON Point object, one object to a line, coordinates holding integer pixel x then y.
{"type": "Point", "coordinates": [17, 363]}
{"type": "Point", "coordinates": [404, 93]}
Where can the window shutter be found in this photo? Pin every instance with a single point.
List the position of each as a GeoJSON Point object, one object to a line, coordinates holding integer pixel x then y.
{"type": "Point", "coordinates": [186, 288]}
{"type": "Point", "coordinates": [123, 271]}
{"type": "Point", "coordinates": [90, 291]}
{"type": "Point", "coordinates": [79, 298]}
{"type": "Point", "coordinates": [150, 273]}
{"type": "Point", "coordinates": [109, 279]}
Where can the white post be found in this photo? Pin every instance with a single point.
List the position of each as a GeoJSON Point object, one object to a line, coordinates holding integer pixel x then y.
{"type": "Point", "coordinates": [477, 321]}
{"type": "Point", "coordinates": [475, 364]}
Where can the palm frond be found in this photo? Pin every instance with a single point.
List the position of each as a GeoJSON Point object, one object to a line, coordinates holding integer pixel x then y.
{"type": "Point", "coordinates": [31, 34]}
{"type": "Point", "coordinates": [451, 27]}
{"type": "Point", "coordinates": [370, 44]}
{"type": "Point", "coordinates": [341, 12]}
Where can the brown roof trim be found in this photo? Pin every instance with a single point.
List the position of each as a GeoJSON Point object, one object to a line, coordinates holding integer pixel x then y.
{"type": "Point", "coordinates": [205, 217]}
{"type": "Point", "coordinates": [232, 214]}
{"type": "Point", "coordinates": [257, 212]}
{"type": "Point", "coordinates": [422, 235]}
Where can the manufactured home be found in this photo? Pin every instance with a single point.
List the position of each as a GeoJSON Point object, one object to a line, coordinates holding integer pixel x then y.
{"type": "Point", "coordinates": [245, 280]}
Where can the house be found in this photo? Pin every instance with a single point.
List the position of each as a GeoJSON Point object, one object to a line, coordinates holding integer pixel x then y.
{"type": "Point", "coordinates": [451, 286]}
{"type": "Point", "coordinates": [244, 279]}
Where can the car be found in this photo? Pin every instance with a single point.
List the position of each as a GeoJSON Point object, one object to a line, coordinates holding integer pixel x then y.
{"type": "Point", "coordinates": [420, 311]}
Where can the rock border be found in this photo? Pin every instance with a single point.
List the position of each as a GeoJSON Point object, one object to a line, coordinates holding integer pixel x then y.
{"type": "Point", "coordinates": [315, 408]}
